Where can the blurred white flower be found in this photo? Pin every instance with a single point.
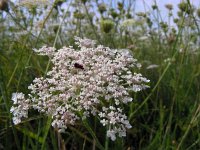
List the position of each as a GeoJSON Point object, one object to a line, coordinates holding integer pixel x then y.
{"type": "Point", "coordinates": [169, 60]}
{"type": "Point", "coordinates": [128, 23]}
{"type": "Point", "coordinates": [143, 38]}
{"type": "Point", "coordinates": [153, 66]}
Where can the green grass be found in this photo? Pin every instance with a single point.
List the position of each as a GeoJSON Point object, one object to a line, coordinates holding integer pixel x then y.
{"type": "Point", "coordinates": [165, 116]}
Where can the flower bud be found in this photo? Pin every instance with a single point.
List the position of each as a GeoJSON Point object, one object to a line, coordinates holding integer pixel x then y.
{"type": "Point", "coordinates": [164, 26]}
{"type": "Point", "coordinates": [169, 6]}
{"type": "Point", "coordinates": [183, 6]}
{"type": "Point", "coordinates": [102, 8]}
{"type": "Point", "coordinates": [113, 13]}
{"type": "Point", "coordinates": [176, 20]}
{"type": "Point", "coordinates": [106, 25]}
{"type": "Point", "coordinates": [4, 5]}
{"type": "Point", "coordinates": [120, 5]}
{"type": "Point", "coordinates": [78, 15]}
{"type": "Point", "coordinates": [154, 7]}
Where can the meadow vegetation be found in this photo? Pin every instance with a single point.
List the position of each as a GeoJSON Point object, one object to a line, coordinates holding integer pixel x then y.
{"type": "Point", "coordinates": [164, 116]}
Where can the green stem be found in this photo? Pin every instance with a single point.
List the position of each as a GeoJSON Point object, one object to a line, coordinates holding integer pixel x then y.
{"type": "Point", "coordinates": [93, 134]}
{"type": "Point", "coordinates": [162, 75]}
{"type": "Point", "coordinates": [92, 25]}
{"type": "Point", "coordinates": [194, 118]}
{"type": "Point", "coordinates": [46, 131]}
{"type": "Point", "coordinates": [57, 34]}
{"type": "Point", "coordinates": [107, 141]}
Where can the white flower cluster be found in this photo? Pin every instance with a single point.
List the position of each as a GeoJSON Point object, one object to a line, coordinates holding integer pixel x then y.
{"type": "Point", "coordinates": [20, 107]}
{"type": "Point", "coordinates": [90, 81]}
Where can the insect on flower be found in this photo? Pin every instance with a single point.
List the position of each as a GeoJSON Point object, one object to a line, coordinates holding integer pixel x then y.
{"type": "Point", "coordinates": [76, 65]}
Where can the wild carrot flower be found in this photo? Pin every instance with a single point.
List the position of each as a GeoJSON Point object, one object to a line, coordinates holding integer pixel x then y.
{"type": "Point", "coordinates": [90, 81]}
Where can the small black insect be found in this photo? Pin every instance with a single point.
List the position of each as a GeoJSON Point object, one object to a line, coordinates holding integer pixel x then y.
{"type": "Point", "coordinates": [76, 65]}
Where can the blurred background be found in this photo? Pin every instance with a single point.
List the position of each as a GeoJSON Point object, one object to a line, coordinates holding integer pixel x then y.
{"type": "Point", "coordinates": [163, 35]}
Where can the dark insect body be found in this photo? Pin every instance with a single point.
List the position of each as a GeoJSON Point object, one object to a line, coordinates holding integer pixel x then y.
{"type": "Point", "coordinates": [76, 65]}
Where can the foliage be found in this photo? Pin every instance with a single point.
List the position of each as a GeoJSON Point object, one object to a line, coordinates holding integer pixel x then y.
{"type": "Point", "coordinates": [165, 116]}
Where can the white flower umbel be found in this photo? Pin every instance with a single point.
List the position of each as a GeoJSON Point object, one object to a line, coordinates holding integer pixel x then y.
{"type": "Point", "coordinates": [90, 81]}
{"type": "Point", "coordinates": [20, 107]}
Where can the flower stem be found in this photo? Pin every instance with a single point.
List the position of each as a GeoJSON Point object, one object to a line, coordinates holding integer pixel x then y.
{"type": "Point", "coordinates": [93, 134]}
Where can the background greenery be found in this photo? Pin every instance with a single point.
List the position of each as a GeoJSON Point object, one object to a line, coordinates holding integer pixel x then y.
{"type": "Point", "coordinates": [166, 116]}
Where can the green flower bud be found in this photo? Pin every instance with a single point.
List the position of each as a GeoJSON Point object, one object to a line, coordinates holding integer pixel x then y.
{"type": "Point", "coordinates": [120, 5]}
{"type": "Point", "coordinates": [78, 15]}
{"type": "Point", "coordinates": [102, 8]}
{"type": "Point", "coordinates": [154, 7]}
{"type": "Point", "coordinates": [164, 26]}
{"type": "Point", "coordinates": [175, 20]}
{"type": "Point", "coordinates": [183, 6]}
{"type": "Point", "coordinates": [106, 25]}
{"type": "Point", "coordinates": [149, 22]}
{"type": "Point", "coordinates": [114, 14]}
